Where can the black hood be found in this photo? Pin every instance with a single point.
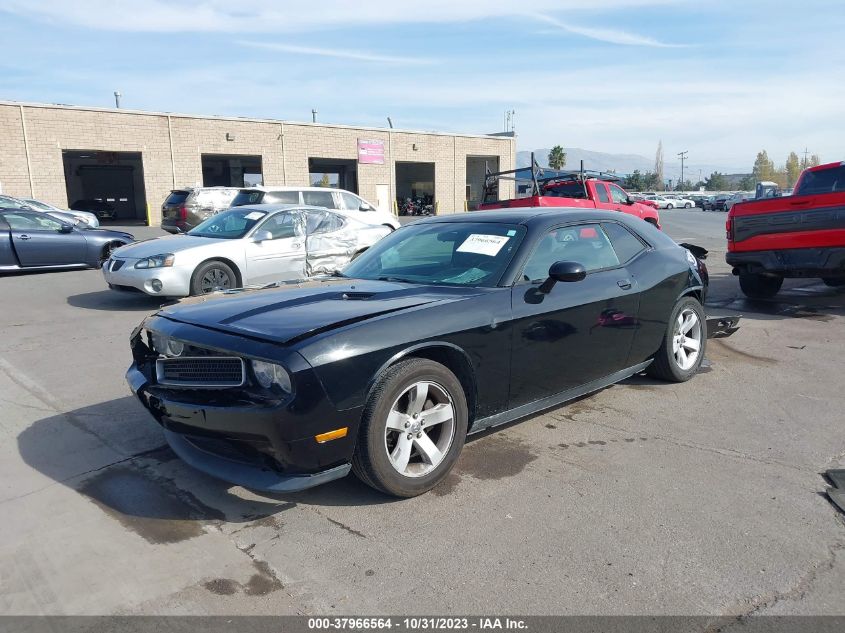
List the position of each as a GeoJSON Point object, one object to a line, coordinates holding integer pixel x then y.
{"type": "Point", "coordinates": [297, 311]}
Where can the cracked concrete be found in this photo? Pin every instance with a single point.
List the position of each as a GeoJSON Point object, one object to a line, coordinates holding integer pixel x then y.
{"type": "Point", "coordinates": [646, 498]}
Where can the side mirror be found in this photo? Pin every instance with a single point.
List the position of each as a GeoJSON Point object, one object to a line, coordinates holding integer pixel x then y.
{"type": "Point", "coordinates": [365, 206]}
{"type": "Point", "coordinates": [629, 200]}
{"type": "Point", "coordinates": [262, 236]}
{"type": "Point", "coordinates": [563, 271]}
{"type": "Point", "coordinates": [66, 228]}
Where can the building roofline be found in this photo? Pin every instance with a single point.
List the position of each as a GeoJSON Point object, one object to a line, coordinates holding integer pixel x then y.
{"type": "Point", "coordinates": [214, 117]}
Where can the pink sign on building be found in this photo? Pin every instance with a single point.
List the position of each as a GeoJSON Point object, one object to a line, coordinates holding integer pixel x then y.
{"type": "Point", "coordinates": [370, 152]}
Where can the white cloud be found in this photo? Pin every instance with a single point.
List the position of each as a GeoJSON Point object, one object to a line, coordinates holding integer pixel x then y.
{"type": "Point", "coordinates": [610, 36]}
{"type": "Point", "coordinates": [335, 53]}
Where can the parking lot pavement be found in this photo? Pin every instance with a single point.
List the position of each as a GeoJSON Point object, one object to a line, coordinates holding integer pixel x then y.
{"type": "Point", "coordinates": [698, 498]}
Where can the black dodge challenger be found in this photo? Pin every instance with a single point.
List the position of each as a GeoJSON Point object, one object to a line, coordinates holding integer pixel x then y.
{"type": "Point", "coordinates": [448, 326]}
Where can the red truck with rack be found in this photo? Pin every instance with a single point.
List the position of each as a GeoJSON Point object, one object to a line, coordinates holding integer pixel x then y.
{"type": "Point", "coordinates": [797, 236]}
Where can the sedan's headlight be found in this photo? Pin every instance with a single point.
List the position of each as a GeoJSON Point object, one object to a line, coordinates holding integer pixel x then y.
{"type": "Point", "coordinates": [270, 374]}
{"type": "Point", "coordinates": [165, 345]}
{"type": "Point", "coordinates": [156, 261]}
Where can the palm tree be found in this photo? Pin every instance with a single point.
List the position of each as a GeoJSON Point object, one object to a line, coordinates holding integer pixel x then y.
{"type": "Point", "coordinates": [557, 157]}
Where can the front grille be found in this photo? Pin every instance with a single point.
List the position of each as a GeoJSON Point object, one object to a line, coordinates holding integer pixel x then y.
{"type": "Point", "coordinates": [116, 264]}
{"type": "Point", "coordinates": [205, 371]}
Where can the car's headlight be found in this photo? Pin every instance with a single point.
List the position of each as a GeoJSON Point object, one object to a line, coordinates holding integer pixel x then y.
{"type": "Point", "coordinates": [165, 345]}
{"type": "Point", "coordinates": [156, 261]}
{"type": "Point", "coordinates": [270, 374]}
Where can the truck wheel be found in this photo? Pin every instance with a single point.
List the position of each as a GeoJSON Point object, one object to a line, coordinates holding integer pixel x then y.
{"type": "Point", "coordinates": [755, 286]}
{"type": "Point", "coordinates": [834, 282]}
{"type": "Point", "coordinates": [684, 343]}
{"type": "Point", "coordinates": [412, 430]}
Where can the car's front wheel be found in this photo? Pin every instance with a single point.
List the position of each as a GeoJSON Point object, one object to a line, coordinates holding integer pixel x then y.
{"type": "Point", "coordinates": [684, 343]}
{"type": "Point", "coordinates": [688, 206]}
{"type": "Point", "coordinates": [412, 430]}
{"type": "Point", "coordinates": [211, 277]}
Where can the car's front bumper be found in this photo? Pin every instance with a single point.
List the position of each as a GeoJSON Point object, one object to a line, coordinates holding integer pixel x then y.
{"type": "Point", "coordinates": [792, 262]}
{"type": "Point", "coordinates": [175, 280]}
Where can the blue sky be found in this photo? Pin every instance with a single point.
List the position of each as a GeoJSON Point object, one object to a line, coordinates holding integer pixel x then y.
{"type": "Point", "coordinates": [721, 78]}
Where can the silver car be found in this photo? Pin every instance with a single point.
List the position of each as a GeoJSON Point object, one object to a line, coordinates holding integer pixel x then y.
{"type": "Point", "coordinates": [248, 245]}
{"type": "Point", "coordinates": [62, 214]}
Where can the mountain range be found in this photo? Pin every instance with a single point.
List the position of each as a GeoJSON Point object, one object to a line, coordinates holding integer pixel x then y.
{"type": "Point", "coordinates": [624, 164]}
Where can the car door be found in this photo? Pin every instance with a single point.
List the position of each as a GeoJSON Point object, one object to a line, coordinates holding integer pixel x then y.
{"type": "Point", "coordinates": [41, 240]}
{"type": "Point", "coordinates": [275, 249]}
{"type": "Point", "coordinates": [620, 201]}
{"type": "Point", "coordinates": [577, 332]}
{"type": "Point", "coordinates": [602, 199]}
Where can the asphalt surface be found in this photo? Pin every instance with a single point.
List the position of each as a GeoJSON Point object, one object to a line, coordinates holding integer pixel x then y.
{"type": "Point", "coordinates": [646, 498]}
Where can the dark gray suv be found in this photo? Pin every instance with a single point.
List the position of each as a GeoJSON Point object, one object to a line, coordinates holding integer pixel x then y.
{"type": "Point", "coordinates": [185, 208]}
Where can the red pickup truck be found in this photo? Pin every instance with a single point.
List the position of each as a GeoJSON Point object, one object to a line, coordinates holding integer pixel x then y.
{"type": "Point", "coordinates": [802, 235]}
{"type": "Point", "coordinates": [582, 190]}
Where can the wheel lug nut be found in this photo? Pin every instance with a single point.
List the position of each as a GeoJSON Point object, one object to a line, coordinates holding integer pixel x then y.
{"type": "Point", "coordinates": [407, 424]}
{"type": "Point", "coordinates": [409, 436]}
{"type": "Point", "coordinates": [419, 435]}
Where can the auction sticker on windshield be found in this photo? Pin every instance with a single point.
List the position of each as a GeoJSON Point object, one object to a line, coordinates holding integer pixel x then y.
{"type": "Point", "coordinates": [483, 244]}
{"type": "Point", "coordinates": [255, 215]}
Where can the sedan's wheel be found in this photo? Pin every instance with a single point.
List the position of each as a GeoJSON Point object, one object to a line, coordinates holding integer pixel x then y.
{"type": "Point", "coordinates": [412, 429]}
{"type": "Point", "coordinates": [684, 343]}
{"type": "Point", "coordinates": [688, 206]}
{"type": "Point", "coordinates": [670, 206]}
{"type": "Point", "coordinates": [755, 286]}
{"type": "Point", "coordinates": [211, 277]}
{"type": "Point", "coordinates": [108, 249]}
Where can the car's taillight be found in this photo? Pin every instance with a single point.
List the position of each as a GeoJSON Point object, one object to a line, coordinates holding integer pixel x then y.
{"type": "Point", "coordinates": [729, 229]}
{"type": "Point", "coordinates": [183, 212]}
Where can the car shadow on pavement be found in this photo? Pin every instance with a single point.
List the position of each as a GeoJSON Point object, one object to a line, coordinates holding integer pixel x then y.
{"type": "Point", "coordinates": [113, 300]}
{"type": "Point", "coordinates": [114, 454]}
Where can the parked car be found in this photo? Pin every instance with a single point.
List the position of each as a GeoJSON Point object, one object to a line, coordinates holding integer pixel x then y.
{"type": "Point", "coordinates": [578, 189]}
{"type": "Point", "coordinates": [350, 203]}
{"type": "Point", "coordinates": [385, 367]}
{"type": "Point", "coordinates": [665, 202]}
{"type": "Point", "coordinates": [256, 244]}
{"type": "Point", "coordinates": [801, 235]}
{"type": "Point", "coordinates": [88, 218]}
{"type": "Point", "coordinates": [183, 209]}
{"type": "Point", "coordinates": [103, 210]}
{"type": "Point", "coordinates": [34, 240]}
{"type": "Point", "coordinates": [740, 196]}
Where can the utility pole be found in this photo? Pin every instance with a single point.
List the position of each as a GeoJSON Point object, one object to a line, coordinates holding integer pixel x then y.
{"type": "Point", "coordinates": [509, 120]}
{"type": "Point", "coordinates": [683, 156]}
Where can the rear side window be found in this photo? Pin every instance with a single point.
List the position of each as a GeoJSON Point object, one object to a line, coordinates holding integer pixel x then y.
{"type": "Point", "coordinates": [601, 191]}
{"type": "Point", "coordinates": [822, 181]}
{"type": "Point", "coordinates": [624, 243]}
{"type": "Point", "coordinates": [565, 190]}
{"type": "Point", "coordinates": [176, 197]}
{"type": "Point", "coordinates": [350, 201]}
{"type": "Point", "coordinates": [319, 199]}
{"type": "Point", "coordinates": [282, 197]}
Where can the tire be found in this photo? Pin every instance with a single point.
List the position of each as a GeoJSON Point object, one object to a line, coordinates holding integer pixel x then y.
{"type": "Point", "coordinates": [670, 206]}
{"type": "Point", "coordinates": [687, 206]}
{"type": "Point", "coordinates": [677, 360]}
{"type": "Point", "coordinates": [834, 282]}
{"type": "Point", "coordinates": [212, 276]}
{"type": "Point", "coordinates": [379, 454]}
{"type": "Point", "coordinates": [756, 286]}
{"type": "Point", "coordinates": [107, 251]}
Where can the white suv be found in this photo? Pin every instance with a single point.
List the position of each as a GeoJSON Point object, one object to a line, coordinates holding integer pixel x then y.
{"type": "Point", "coordinates": [344, 201]}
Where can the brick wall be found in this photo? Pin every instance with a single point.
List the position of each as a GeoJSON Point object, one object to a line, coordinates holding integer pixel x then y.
{"type": "Point", "coordinates": [284, 149]}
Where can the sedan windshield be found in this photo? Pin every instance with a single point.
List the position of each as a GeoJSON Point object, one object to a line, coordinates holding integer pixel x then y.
{"type": "Point", "coordinates": [450, 253]}
{"type": "Point", "coordinates": [229, 225]}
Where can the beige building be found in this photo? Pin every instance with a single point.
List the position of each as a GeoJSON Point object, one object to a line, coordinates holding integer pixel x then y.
{"type": "Point", "coordinates": [133, 159]}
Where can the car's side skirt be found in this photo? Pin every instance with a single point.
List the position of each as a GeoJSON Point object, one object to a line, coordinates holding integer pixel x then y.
{"type": "Point", "coordinates": [531, 408]}
{"type": "Point", "coordinates": [46, 267]}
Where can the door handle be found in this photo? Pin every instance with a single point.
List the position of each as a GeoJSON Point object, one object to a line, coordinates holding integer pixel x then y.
{"type": "Point", "coordinates": [23, 237]}
{"type": "Point", "coordinates": [625, 284]}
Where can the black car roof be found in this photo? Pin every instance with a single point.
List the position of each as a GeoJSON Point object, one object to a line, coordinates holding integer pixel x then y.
{"type": "Point", "coordinates": [529, 216]}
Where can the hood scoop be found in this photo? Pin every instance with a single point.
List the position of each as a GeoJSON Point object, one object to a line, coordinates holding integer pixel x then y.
{"type": "Point", "coordinates": [356, 296]}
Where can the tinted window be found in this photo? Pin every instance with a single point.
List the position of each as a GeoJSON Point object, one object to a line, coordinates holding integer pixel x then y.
{"type": "Point", "coordinates": [601, 191]}
{"type": "Point", "coordinates": [624, 243]}
{"type": "Point", "coordinates": [282, 197]}
{"type": "Point", "coordinates": [618, 195]}
{"type": "Point", "coordinates": [247, 196]}
{"type": "Point", "coordinates": [565, 190]}
{"type": "Point", "coordinates": [822, 181]}
{"type": "Point", "coordinates": [319, 199]}
{"type": "Point", "coordinates": [587, 245]}
{"type": "Point", "coordinates": [351, 202]}
{"type": "Point", "coordinates": [176, 197]}
{"type": "Point", "coordinates": [451, 253]}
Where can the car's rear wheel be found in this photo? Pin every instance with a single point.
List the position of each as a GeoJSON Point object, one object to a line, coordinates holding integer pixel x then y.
{"type": "Point", "coordinates": [670, 206]}
{"type": "Point", "coordinates": [756, 286]}
{"type": "Point", "coordinates": [684, 343]}
{"type": "Point", "coordinates": [211, 277]}
{"type": "Point", "coordinates": [834, 282]}
{"type": "Point", "coordinates": [688, 206]}
{"type": "Point", "coordinates": [412, 430]}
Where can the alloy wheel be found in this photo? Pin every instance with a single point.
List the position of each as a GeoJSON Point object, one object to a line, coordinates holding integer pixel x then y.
{"type": "Point", "coordinates": [420, 429]}
{"type": "Point", "coordinates": [215, 279]}
{"type": "Point", "coordinates": [686, 340]}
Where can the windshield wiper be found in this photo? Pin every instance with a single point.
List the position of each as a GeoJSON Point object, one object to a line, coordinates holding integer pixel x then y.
{"type": "Point", "coordinates": [336, 273]}
{"type": "Point", "coordinates": [396, 279]}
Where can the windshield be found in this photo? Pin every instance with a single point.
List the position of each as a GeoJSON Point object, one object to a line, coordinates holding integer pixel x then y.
{"type": "Point", "coordinates": [229, 225]}
{"type": "Point", "coordinates": [449, 253]}
{"type": "Point", "coordinates": [822, 181]}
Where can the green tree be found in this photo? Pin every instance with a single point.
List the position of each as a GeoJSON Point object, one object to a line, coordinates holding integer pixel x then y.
{"type": "Point", "coordinates": [557, 157]}
{"type": "Point", "coordinates": [748, 183]}
{"type": "Point", "coordinates": [815, 159]}
{"type": "Point", "coordinates": [793, 169]}
{"type": "Point", "coordinates": [764, 167]}
{"type": "Point", "coordinates": [716, 182]}
{"type": "Point", "coordinates": [651, 181]}
{"type": "Point", "coordinates": [323, 182]}
{"type": "Point", "coordinates": [635, 181]}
